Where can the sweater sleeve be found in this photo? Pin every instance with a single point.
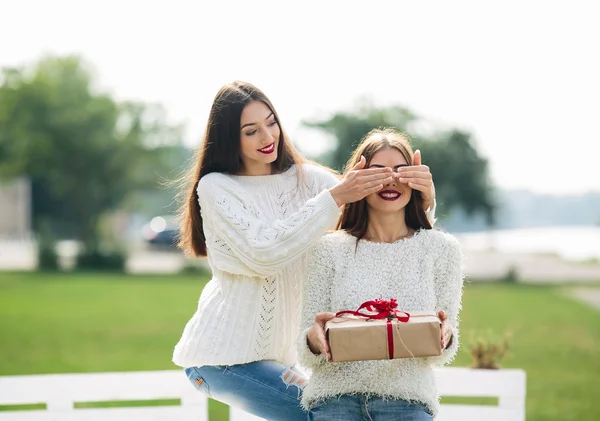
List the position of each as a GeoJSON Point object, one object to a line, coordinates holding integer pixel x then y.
{"type": "Point", "coordinates": [430, 213]}
{"type": "Point", "coordinates": [316, 299]}
{"type": "Point", "coordinates": [448, 278]}
{"type": "Point", "coordinates": [249, 243]}
{"type": "Point", "coordinates": [326, 180]}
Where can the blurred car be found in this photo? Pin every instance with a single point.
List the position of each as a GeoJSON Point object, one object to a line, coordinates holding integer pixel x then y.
{"type": "Point", "coordinates": [161, 231]}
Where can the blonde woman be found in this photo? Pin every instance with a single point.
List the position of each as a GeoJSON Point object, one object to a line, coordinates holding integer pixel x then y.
{"type": "Point", "coordinates": [384, 247]}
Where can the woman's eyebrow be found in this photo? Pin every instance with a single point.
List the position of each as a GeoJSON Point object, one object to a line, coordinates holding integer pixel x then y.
{"type": "Point", "coordinates": [252, 124]}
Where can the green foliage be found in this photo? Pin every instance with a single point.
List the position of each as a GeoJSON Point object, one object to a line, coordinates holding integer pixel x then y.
{"type": "Point", "coordinates": [101, 261]}
{"type": "Point", "coordinates": [460, 172]}
{"type": "Point", "coordinates": [84, 152]}
{"type": "Point", "coordinates": [47, 257]}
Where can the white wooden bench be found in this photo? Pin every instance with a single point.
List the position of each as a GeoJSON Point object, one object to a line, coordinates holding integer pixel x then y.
{"type": "Point", "coordinates": [508, 385]}
{"type": "Point", "coordinates": [60, 392]}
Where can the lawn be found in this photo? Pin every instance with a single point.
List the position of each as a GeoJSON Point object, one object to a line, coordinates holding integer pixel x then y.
{"type": "Point", "coordinates": [90, 322]}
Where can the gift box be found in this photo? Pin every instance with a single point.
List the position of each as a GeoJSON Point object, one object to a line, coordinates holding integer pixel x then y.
{"type": "Point", "coordinates": [377, 331]}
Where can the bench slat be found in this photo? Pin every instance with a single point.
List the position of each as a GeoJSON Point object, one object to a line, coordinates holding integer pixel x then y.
{"type": "Point", "coordinates": [509, 385]}
{"type": "Point", "coordinates": [478, 413]}
{"type": "Point", "coordinates": [94, 387]}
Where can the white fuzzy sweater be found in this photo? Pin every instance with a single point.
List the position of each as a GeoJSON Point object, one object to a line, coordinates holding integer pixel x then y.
{"type": "Point", "coordinates": [258, 229]}
{"type": "Point", "coordinates": [423, 273]}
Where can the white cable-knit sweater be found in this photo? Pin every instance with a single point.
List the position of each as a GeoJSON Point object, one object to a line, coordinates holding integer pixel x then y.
{"type": "Point", "coordinates": [423, 273]}
{"type": "Point", "coordinates": [258, 229]}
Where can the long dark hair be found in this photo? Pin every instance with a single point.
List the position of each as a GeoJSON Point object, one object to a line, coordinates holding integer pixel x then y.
{"type": "Point", "coordinates": [355, 216]}
{"type": "Point", "coordinates": [220, 152]}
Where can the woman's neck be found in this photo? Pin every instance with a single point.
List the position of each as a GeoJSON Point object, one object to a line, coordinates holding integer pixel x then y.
{"type": "Point", "coordinates": [256, 170]}
{"type": "Point", "coordinates": [387, 227]}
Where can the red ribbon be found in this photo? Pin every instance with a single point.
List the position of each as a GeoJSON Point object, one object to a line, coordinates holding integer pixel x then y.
{"type": "Point", "coordinates": [380, 309]}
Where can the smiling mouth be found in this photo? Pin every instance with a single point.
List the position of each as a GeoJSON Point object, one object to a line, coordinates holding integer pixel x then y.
{"type": "Point", "coordinates": [268, 149]}
{"type": "Point", "coordinates": [389, 195]}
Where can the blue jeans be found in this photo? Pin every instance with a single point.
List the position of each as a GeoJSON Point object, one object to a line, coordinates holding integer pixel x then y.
{"type": "Point", "coordinates": [362, 408]}
{"type": "Point", "coordinates": [266, 389]}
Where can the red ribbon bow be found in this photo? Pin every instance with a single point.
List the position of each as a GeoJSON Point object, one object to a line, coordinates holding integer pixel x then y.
{"type": "Point", "coordinates": [381, 309]}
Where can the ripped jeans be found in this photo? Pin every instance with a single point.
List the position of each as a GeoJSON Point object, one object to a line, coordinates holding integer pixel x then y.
{"type": "Point", "coordinates": [266, 389]}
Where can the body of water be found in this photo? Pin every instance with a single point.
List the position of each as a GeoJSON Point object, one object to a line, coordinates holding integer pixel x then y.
{"type": "Point", "coordinates": [572, 243]}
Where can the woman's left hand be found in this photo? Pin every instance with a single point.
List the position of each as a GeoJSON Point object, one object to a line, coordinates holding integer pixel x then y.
{"type": "Point", "coordinates": [446, 329]}
{"type": "Point", "coordinates": [418, 177]}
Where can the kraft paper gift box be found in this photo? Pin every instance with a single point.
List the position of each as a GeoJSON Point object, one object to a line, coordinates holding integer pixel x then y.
{"type": "Point", "coordinates": [359, 338]}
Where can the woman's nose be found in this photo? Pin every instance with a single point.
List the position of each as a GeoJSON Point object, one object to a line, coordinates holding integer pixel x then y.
{"type": "Point", "coordinates": [266, 137]}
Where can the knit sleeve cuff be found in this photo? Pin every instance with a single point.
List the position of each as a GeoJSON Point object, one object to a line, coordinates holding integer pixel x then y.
{"type": "Point", "coordinates": [306, 357]}
{"type": "Point", "coordinates": [328, 202]}
{"type": "Point", "coordinates": [329, 207]}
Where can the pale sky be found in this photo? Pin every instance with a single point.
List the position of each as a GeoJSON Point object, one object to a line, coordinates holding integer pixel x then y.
{"type": "Point", "coordinates": [522, 76]}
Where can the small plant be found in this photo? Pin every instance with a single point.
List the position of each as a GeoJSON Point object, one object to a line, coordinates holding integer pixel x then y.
{"type": "Point", "coordinates": [487, 351]}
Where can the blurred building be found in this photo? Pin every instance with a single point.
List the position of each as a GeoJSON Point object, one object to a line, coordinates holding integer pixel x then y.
{"type": "Point", "coordinates": [15, 209]}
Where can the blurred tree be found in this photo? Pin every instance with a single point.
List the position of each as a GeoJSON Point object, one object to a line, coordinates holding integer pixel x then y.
{"type": "Point", "coordinates": [84, 152]}
{"type": "Point", "coordinates": [460, 172]}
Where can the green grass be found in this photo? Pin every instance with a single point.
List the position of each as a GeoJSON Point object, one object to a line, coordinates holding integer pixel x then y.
{"type": "Point", "coordinates": [63, 323]}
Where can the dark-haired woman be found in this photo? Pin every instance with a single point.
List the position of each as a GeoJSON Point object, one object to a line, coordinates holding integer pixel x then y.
{"type": "Point", "coordinates": [254, 206]}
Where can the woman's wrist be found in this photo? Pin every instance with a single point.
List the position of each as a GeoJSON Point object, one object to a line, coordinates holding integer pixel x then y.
{"type": "Point", "coordinates": [335, 193]}
{"type": "Point", "coordinates": [428, 204]}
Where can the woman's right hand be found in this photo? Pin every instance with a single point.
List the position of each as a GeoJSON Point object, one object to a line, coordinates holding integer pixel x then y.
{"type": "Point", "coordinates": [317, 342]}
{"type": "Point", "coordinates": [358, 183]}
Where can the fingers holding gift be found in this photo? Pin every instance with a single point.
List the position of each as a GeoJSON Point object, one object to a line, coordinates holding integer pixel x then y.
{"type": "Point", "coordinates": [317, 340]}
{"type": "Point", "coordinates": [447, 336]}
{"type": "Point", "coordinates": [446, 329]}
